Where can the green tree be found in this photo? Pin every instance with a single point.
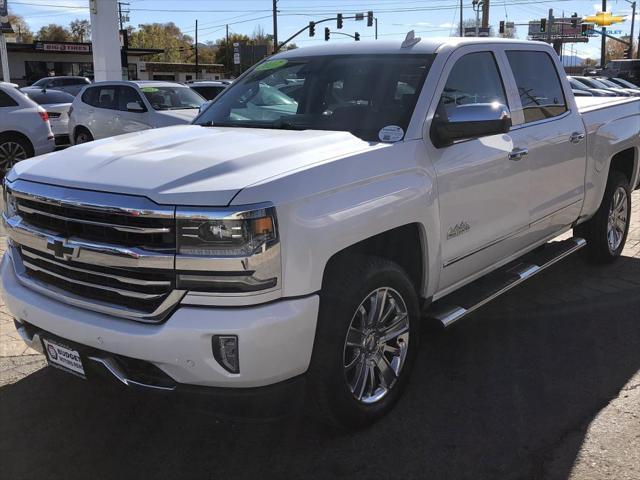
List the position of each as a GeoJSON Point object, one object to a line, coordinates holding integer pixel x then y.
{"type": "Point", "coordinates": [54, 33]}
{"type": "Point", "coordinates": [177, 46]}
{"type": "Point", "coordinates": [21, 28]}
{"type": "Point", "coordinates": [80, 30]}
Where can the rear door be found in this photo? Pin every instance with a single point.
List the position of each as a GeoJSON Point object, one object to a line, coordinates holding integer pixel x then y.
{"type": "Point", "coordinates": [102, 115]}
{"type": "Point", "coordinates": [127, 121]}
{"type": "Point", "coordinates": [548, 126]}
{"type": "Point", "coordinates": [483, 195]}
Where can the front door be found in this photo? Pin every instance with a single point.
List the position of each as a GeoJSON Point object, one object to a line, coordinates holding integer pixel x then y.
{"type": "Point", "coordinates": [127, 121]}
{"type": "Point", "coordinates": [482, 192]}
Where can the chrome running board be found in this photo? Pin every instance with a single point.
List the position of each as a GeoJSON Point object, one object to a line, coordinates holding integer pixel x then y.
{"type": "Point", "coordinates": [469, 298]}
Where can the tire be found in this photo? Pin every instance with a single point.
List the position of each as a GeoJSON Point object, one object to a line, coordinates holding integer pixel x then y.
{"type": "Point", "coordinates": [13, 149]}
{"type": "Point", "coordinates": [82, 136]}
{"type": "Point", "coordinates": [335, 381]}
{"type": "Point", "coordinates": [606, 233]}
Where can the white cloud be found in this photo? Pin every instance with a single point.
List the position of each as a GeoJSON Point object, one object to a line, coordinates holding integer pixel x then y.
{"type": "Point", "coordinates": [446, 25]}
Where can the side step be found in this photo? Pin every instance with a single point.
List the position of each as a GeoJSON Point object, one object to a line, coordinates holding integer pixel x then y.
{"type": "Point", "coordinates": [460, 303]}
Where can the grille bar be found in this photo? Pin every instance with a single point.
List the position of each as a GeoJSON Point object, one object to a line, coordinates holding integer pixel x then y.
{"type": "Point", "coordinates": [120, 228]}
{"type": "Point", "coordinates": [120, 278]}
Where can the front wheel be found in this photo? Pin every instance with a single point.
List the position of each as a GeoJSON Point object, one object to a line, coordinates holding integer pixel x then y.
{"type": "Point", "coordinates": [12, 150]}
{"type": "Point", "coordinates": [606, 233]}
{"type": "Point", "coordinates": [366, 341]}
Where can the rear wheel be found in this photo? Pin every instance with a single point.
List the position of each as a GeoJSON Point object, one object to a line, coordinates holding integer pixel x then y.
{"type": "Point", "coordinates": [606, 233]}
{"type": "Point", "coordinates": [366, 341]}
{"type": "Point", "coordinates": [12, 150]}
{"type": "Point", "coordinates": [83, 136]}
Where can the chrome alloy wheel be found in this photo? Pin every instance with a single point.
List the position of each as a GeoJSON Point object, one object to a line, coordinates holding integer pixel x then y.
{"type": "Point", "coordinates": [618, 218]}
{"type": "Point", "coordinates": [10, 154]}
{"type": "Point", "coordinates": [376, 345]}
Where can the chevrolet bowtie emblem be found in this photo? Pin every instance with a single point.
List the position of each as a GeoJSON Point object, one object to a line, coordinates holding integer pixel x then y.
{"type": "Point", "coordinates": [60, 250]}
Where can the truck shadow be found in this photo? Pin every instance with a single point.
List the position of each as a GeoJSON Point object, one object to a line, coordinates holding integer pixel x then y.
{"type": "Point", "coordinates": [490, 398]}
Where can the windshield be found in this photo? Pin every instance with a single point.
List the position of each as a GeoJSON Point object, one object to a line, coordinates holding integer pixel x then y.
{"type": "Point", "coordinates": [608, 83]}
{"type": "Point", "coordinates": [359, 94]}
{"type": "Point", "coordinates": [624, 83]}
{"type": "Point", "coordinates": [48, 97]}
{"type": "Point", "coordinates": [172, 98]}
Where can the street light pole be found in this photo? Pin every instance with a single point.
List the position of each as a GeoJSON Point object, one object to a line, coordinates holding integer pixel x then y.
{"type": "Point", "coordinates": [461, 18]}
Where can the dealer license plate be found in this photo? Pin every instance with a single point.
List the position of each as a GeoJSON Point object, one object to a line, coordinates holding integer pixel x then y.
{"type": "Point", "coordinates": [63, 357]}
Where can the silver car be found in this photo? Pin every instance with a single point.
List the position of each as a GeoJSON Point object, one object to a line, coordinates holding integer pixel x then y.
{"type": "Point", "coordinates": [25, 130]}
{"type": "Point", "coordinates": [105, 109]}
{"type": "Point", "coordinates": [57, 104]}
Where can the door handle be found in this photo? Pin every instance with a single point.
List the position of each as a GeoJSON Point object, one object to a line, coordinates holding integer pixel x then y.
{"type": "Point", "coordinates": [518, 154]}
{"type": "Point", "coordinates": [576, 137]}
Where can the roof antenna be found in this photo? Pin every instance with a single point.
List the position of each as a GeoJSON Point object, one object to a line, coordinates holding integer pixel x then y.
{"type": "Point", "coordinates": [410, 40]}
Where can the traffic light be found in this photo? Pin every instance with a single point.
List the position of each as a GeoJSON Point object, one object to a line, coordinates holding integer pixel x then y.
{"type": "Point", "coordinates": [339, 21]}
{"type": "Point", "coordinates": [356, 36]}
{"type": "Point", "coordinates": [327, 34]}
{"type": "Point", "coordinates": [574, 20]}
{"type": "Point", "coordinates": [312, 29]}
{"type": "Point", "coordinates": [584, 29]}
{"type": "Point", "coordinates": [369, 18]}
{"type": "Point", "coordinates": [501, 29]}
{"type": "Point", "coordinates": [543, 25]}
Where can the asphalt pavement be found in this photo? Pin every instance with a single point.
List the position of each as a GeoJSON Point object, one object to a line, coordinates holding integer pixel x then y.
{"type": "Point", "coordinates": [543, 383]}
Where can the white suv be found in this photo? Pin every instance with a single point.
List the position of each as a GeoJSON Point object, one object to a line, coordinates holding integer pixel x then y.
{"type": "Point", "coordinates": [106, 109]}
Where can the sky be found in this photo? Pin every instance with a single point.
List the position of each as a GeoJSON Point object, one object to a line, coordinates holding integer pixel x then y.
{"type": "Point", "coordinates": [395, 17]}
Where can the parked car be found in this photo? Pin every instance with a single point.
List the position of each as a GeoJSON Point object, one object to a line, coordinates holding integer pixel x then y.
{"type": "Point", "coordinates": [266, 248]}
{"type": "Point", "coordinates": [209, 89]}
{"type": "Point", "coordinates": [624, 83]}
{"type": "Point", "coordinates": [576, 85]}
{"type": "Point", "coordinates": [593, 82]}
{"type": "Point", "coordinates": [57, 104]}
{"type": "Point", "coordinates": [105, 109]}
{"type": "Point", "coordinates": [68, 84]}
{"type": "Point", "coordinates": [24, 128]}
{"type": "Point", "coordinates": [629, 69]}
{"type": "Point", "coordinates": [632, 92]}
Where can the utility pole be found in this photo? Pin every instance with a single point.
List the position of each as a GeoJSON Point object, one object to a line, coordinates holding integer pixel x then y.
{"type": "Point", "coordinates": [377, 28]}
{"type": "Point", "coordinates": [197, 65]}
{"type": "Point", "coordinates": [633, 22]}
{"type": "Point", "coordinates": [227, 58]}
{"type": "Point", "coordinates": [461, 18]}
{"type": "Point", "coordinates": [275, 23]}
{"type": "Point", "coordinates": [124, 58]}
{"type": "Point", "coordinates": [549, 25]}
{"type": "Point", "coordinates": [603, 44]}
{"type": "Point", "coordinates": [485, 14]}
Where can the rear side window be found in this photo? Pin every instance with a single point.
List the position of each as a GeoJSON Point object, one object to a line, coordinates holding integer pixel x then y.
{"type": "Point", "coordinates": [6, 100]}
{"type": "Point", "coordinates": [208, 93]}
{"type": "Point", "coordinates": [538, 84]}
{"type": "Point", "coordinates": [101, 97]}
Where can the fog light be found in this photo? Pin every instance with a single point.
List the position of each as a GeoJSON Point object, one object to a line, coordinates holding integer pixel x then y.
{"type": "Point", "coordinates": [225, 351]}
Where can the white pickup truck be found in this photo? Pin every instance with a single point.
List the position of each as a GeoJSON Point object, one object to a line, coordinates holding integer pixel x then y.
{"type": "Point", "coordinates": [300, 229]}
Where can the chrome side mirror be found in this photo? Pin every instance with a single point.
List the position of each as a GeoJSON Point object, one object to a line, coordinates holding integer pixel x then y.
{"type": "Point", "coordinates": [459, 122]}
{"type": "Point", "coordinates": [135, 107]}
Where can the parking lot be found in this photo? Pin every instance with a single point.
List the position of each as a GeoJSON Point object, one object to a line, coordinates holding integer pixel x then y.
{"type": "Point", "coordinates": [542, 383]}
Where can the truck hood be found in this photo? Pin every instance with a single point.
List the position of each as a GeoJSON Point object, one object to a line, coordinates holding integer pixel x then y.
{"type": "Point", "coordinates": [187, 164]}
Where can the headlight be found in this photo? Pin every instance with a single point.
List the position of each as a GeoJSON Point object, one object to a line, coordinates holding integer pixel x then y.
{"type": "Point", "coordinates": [228, 251]}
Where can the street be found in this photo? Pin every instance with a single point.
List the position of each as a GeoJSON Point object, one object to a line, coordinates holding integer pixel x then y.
{"type": "Point", "coordinates": [542, 383]}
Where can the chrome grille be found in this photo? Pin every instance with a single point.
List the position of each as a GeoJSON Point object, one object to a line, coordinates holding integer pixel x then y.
{"type": "Point", "coordinates": [106, 252]}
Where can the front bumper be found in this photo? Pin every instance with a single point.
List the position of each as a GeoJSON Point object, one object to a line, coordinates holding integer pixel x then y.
{"type": "Point", "coordinates": [275, 339]}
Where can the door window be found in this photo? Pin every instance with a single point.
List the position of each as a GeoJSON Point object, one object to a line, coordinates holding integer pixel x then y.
{"type": "Point", "coordinates": [106, 98]}
{"type": "Point", "coordinates": [538, 84]}
{"type": "Point", "coordinates": [128, 95]}
{"type": "Point", "coordinates": [474, 79]}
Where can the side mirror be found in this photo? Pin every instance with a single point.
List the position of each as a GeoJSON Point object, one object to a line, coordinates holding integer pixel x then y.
{"type": "Point", "coordinates": [470, 121]}
{"type": "Point", "coordinates": [134, 107]}
{"type": "Point", "coordinates": [204, 106]}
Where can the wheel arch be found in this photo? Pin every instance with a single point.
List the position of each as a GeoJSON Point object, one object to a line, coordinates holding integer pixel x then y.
{"type": "Point", "coordinates": [77, 128]}
{"type": "Point", "coordinates": [626, 162]}
{"type": "Point", "coordinates": [405, 245]}
{"type": "Point", "coordinates": [20, 135]}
